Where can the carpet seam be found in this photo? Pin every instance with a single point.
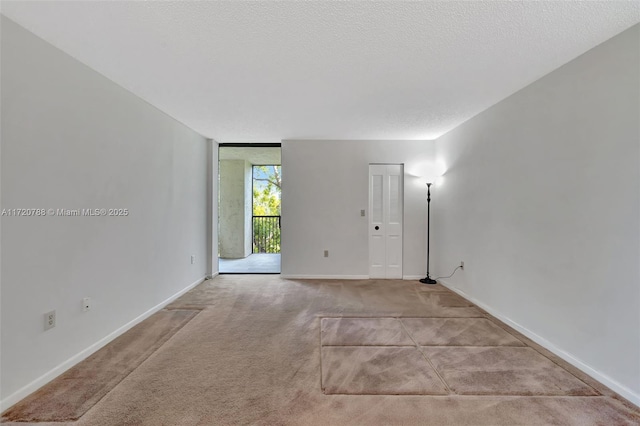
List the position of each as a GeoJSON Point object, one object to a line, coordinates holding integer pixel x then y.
{"type": "Point", "coordinates": [499, 323]}
{"type": "Point", "coordinates": [492, 319]}
{"type": "Point", "coordinates": [446, 385]}
{"type": "Point", "coordinates": [419, 348]}
{"type": "Point", "coordinates": [320, 341]}
{"type": "Point", "coordinates": [396, 317]}
{"type": "Point", "coordinates": [75, 419]}
{"type": "Point", "coordinates": [197, 312]}
{"type": "Point", "coordinates": [509, 331]}
{"type": "Point", "coordinates": [469, 395]}
{"type": "Point", "coordinates": [428, 346]}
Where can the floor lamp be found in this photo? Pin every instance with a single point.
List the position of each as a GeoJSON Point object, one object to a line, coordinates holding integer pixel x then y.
{"type": "Point", "coordinates": [428, 279]}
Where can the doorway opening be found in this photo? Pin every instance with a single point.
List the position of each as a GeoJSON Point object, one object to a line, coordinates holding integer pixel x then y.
{"type": "Point", "coordinates": [250, 179]}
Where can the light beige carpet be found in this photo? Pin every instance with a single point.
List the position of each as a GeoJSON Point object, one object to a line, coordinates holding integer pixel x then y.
{"type": "Point", "coordinates": [363, 332]}
{"type": "Point", "coordinates": [464, 356]}
{"type": "Point", "coordinates": [376, 370]}
{"type": "Point", "coordinates": [74, 392]}
{"type": "Point", "coordinates": [458, 332]}
{"type": "Point", "coordinates": [253, 356]}
{"type": "Point", "coordinates": [503, 371]}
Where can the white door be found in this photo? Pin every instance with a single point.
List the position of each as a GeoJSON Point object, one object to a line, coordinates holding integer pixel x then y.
{"type": "Point", "coordinates": [386, 197]}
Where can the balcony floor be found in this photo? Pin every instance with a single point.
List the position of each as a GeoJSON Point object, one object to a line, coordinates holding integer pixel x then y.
{"type": "Point", "coordinates": [257, 263]}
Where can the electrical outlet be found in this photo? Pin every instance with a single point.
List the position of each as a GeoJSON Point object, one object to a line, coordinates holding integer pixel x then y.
{"type": "Point", "coordinates": [86, 304]}
{"type": "Point", "coordinates": [49, 320]}
{"type": "Point", "coordinates": [461, 264]}
{"type": "Point", "coordinates": [193, 259]}
{"type": "Point", "coordinates": [362, 213]}
{"type": "Point", "coordinates": [326, 253]}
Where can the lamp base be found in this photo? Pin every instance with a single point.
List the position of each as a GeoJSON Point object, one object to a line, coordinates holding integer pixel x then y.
{"type": "Point", "coordinates": [428, 280]}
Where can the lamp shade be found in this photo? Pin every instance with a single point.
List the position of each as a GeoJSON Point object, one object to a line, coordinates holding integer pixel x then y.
{"type": "Point", "coordinates": [432, 174]}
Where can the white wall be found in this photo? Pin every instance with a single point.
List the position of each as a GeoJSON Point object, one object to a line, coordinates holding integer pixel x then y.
{"type": "Point", "coordinates": [212, 207]}
{"type": "Point", "coordinates": [541, 202]}
{"type": "Point", "coordinates": [73, 139]}
{"type": "Point", "coordinates": [324, 187]}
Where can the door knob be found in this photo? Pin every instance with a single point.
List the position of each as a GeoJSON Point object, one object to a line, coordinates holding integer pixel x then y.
{"type": "Point", "coordinates": [377, 227]}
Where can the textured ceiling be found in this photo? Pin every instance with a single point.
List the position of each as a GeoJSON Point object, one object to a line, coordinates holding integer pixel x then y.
{"type": "Point", "coordinates": [267, 71]}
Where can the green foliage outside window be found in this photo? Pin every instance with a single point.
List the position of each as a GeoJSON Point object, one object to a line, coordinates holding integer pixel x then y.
{"type": "Point", "coordinates": [267, 184]}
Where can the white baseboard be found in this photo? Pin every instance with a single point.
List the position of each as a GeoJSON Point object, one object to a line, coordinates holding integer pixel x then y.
{"type": "Point", "coordinates": [412, 277]}
{"type": "Point", "coordinates": [325, 277]}
{"type": "Point", "coordinates": [61, 368]}
{"type": "Point", "coordinates": [571, 359]}
{"type": "Point", "coordinates": [343, 277]}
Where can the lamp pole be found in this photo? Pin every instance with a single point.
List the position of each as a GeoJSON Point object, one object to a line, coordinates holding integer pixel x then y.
{"type": "Point", "coordinates": [428, 279]}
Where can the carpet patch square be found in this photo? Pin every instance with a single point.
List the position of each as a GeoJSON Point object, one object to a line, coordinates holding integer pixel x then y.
{"type": "Point", "coordinates": [369, 370]}
{"type": "Point", "coordinates": [458, 332]}
{"type": "Point", "coordinates": [503, 371]}
{"type": "Point", "coordinates": [363, 332]}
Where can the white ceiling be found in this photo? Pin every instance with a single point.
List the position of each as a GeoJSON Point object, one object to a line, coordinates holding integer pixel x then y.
{"type": "Point", "coordinates": [267, 71]}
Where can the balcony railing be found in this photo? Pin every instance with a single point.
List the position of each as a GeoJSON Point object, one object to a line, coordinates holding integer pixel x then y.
{"type": "Point", "coordinates": [266, 234]}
